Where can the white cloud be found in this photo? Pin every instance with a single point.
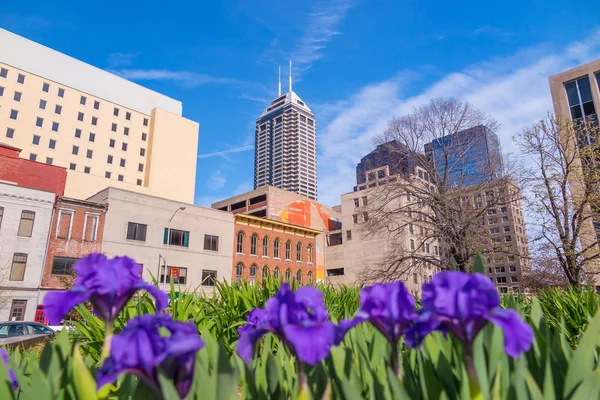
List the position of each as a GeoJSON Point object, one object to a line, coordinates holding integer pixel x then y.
{"type": "Point", "coordinates": [121, 59]}
{"type": "Point", "coordinates": [186, 79]}
{"type": "Point", "coordinates": [223, 153]}
{"type": "Point", "coordinates": [217, 180]}
{"type": "Point", "coordinates": [513, 89]}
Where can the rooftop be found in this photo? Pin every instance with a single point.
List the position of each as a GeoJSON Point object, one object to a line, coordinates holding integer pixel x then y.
{"type": "Point", "coordinates": [285, 99]}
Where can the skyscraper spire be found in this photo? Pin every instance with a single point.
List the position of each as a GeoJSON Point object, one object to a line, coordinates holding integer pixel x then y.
{"type": "Point", "coordinates": [290, 75]}
{"type": "Point", "coordinates": [279, 84]}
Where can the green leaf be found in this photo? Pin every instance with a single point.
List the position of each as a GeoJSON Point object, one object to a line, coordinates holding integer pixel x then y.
{"type": "Point", "coordinates": [582, 363]}
{"type": "Point", "coordinates": [85, 384]}
{"type": "Point", "coordinates": [589, 387]}
{"type": "Point", "coordinates": [167, 388]}
{"type": "Point", "coordinates": [478, 264]}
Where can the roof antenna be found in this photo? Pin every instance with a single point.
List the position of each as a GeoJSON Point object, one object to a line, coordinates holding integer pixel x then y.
{"type": "Point", "coordinates": [290, 75]}
{"type": "Point", "coordinates": [279, 84]}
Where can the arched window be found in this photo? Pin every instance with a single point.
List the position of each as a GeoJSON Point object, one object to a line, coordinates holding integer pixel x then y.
{"type": "Point", "coordinates": [276, 248]}
{"type": "Point", "coordinates": [299, 252]}
{"type": "Point", "coordinates": [299, 277]}
{"type": "Point", "coordinates": [253, 241]}
{"type": "Point", "coordinates": [265, 273]}
{"type": "Point", "coordinates": [288, 275]}
{"type": "Point", "coordinates": [252, 275]}
{"type": "Point", "coordinates": [276, 273]}
{"type": "Point", "coordinates": [265, 246]}
{"type": "Point", "coordinates": [310, 277]}
{"type": "Point", "coordinates": [288, 250]}
{"type": "Point", "coordinates": [239, 270]}
{"type": "Point", "coordinates": [309, 251]}
{"type": "Point", "coordinates": [240, 242]}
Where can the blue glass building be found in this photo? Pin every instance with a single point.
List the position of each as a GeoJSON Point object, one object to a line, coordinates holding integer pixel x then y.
{"type": "Point", "coordinates": [468, 157]}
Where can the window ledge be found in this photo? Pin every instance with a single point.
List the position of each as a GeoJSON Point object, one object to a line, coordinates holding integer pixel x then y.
{"type": "Point", "coordinates": [265, 257]}
{"type": "Point", "coordinates": [253, 255]}
{"type": "Point", "coordinates": [240, 254]}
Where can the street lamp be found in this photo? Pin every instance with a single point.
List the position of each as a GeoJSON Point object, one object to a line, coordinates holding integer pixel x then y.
{"type": "Point", "coordinates": [167, 250]}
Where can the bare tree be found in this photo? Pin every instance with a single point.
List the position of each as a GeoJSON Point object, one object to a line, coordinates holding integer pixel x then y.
{"type": "Point", "coordinates": [546, 270]}
{"type": "Point", "coordinates": [449, 180]}
{"type": "Point", "coordinates": [564, 180]}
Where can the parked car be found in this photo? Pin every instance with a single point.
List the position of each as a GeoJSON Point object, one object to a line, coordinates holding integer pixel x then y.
{"type": "Point", "coordinates": [21, 331]}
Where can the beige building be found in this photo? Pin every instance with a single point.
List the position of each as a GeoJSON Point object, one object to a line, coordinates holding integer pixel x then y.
{"type": "Point", "coordinates": [200, 242]}
{"type": "Point", "coordinates": [25, 216]}
{"type": "Point", "coordinates": [576, 95]}
{"type": "Point", "coordinates": [105, 130]}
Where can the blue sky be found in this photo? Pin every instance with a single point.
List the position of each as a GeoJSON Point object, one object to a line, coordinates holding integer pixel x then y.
{"type": "Point", "coordinates": [357, 63]}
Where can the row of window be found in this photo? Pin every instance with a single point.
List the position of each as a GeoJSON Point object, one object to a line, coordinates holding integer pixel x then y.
{"type": "Point", "coordinates": [137, 231]}
{"type": "Point", "coordinates": [65, 225]}
{"type": "Point", "coordinates": [25, 224]}
{"type": "Point", "coordinates": [239, 272]}
{"type": "Point", "coordinates": [276, 246]}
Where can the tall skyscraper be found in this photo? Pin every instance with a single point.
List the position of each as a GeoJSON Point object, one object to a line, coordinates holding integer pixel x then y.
{"type": "Point", "coordinates": [285, 154]}
{"type": "Point", "coordinates": [469, 157]}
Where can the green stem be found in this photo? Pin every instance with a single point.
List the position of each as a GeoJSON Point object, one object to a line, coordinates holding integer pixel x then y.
{"type": "Point", "coordinates": [474, 387]}
{"type": "Point", "coordinates": [303, 391]}
{"type": "Point", "coordinates": [395, 364]}
{"type": "Point", "coordinates": [108, 334]}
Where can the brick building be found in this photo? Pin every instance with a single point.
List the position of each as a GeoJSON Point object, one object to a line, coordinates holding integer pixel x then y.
{"type": "Point", "coordinates": [31, 174]}
{"type": "Point", "coordinates": [264, 247]}
{"type": "Point", "coordinates": [76, 231]}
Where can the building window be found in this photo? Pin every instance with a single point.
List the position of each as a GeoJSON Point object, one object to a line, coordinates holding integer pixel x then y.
{"type": "Point", "coordinates": [276, 273]}
{"type": "Point", "coordinates": [265, 273]}
{"type": "Point", "coordinates": [96, 105]}
{"type": "Point", "coordinates": [145, 121]}
{"type": "Point", "coordinates": [63, 265]}
{"type": "Point", "coordinates": [122, 163]}
{"type": "Point", "coordinates": [288, 250]}
{"type": "Point", "coordinates": [89, 153]}
{"type": "Point", "coordinates": [299, 252]}
{"type": "Point", "coordinates": [211, 242]}
{"type": "Point", "coordinates": [265, 246]}
{"type": "Point", "coordinates": [107, 174]}
{"type": "Point", "coordinates": [365, 202]}
{"type": "Point", "coordinates": [80, 116]}
{"type": "Point", "coordinates": [253, 242]}
{"type": "Point", "coordinates": [55, 126]}
{"type": "Point", "coordinates": [126, 131]}
{"type": "Point", "coordinates": [92, 137]}
{"type": "Point", "coordinates": [288, 275]}
{"type": "Point", "coordinates": [415, 279]}
{"type": "Point", "coordinates": [512, 268]}
{"type": "Point", "coordinates": [501, 279]}
{"type": "Point", "coordinates": [355, 218]}
{"type": "Point", "coordinates": [87, 170]}
{"type": "Point", "coordinates": [121, 178]}
{"type": "Point", "coordinates": [57, 109]}
{"type": "Point", "coordinates": [52, 144]}
{"type": "Point", "coordinates": [61, 92]}
{"type": "Point", "coordinates": [116, 112]}
{"type": "Point", "coordinates": [14, 114]}
{"type": "Point", "coordinates": [45, 87]}
{"type": "Point", "coordinates": [26, 223]}
{"type": "Point", "coordinates": [142, 152]}
{"type": "Point", "coordinates": [17, 312]}
{"type": "Point", "coordinates": [144, 136]}
{"type": "Point", "coordinates": [356, 203]}
{"type": "Point", "coordinates": [36, 139]}
{"type": "Point", "coordinates": [178, 275]}
{"type": "Point", "coordinates": [94, 121]}
{"type": "Point", "coordinates": [276, 248]}
{"type": "Point", "coordinates": [3, 72]}
{"type": "Point", "coordinates": [239, 271]}
{"type": "Point", "coordinates": [579, 95]}
{"type": "Point", "coordinates": [49, 160]}
{"type": "Point", "coordinates": [10, 133]}
{"type": "Point", "coordinates": [72, 166]}
{"type": "Point", "coordinates": [136, 231]}
{"type": "Point", "coordinates": [310, 277]}
{"type": "Point", "coordinates": [109, 159]}
{"type": "Point", "coordinates": [309, 250]}
{"type": "Point", "coordinates": [139, 182]}
{"type": "Point", "coordinates": [82, 100]}
{"type": "Point", "coordinates": [32, 157]}
{"type": "Point", "coordinates": [127, 115]}
{"type": "Point", "coordinates": [507, 229]}
{"type": "Point", "coordinates": [90, 227]}
{"type": "Point", "coordinates": [1, 91]}
{"type": "Point", "coordinates": [252, 274]}
{"type": "Point", "coordinates": [508, 238]}
{"type": "Point", "coordinates": [140, 167]}
{"type": "Point", "coordinates": [111, 143]}
{"type": "Point", "coordinates": [21, 78]}
{"type": "Point", "coordinates": [75, 150]}
{"type": "Point", "coordinates": [17, 96]}
{"type": "Point", "coordinates": [412, 244]}
{"type": "Point", "coordinates": [17, 270]}
{"type": "Point", "coordinates": [178, 237]}
{"type": "Point", "coordinates": [42, 105]}
{"type": "Point", "coordinates": [240, 242]}
{"type": "Point", "coordinates": [209, 277]}
{"type": "Point", "coordinates": [77, 133]}
{"type": "Point", "coordinates": [124, 147]}
{"type": "Point", "coordinates": [114, 127]}
{"type": "Point", "coordinates": [1, 215]}
{"type": "Point", "coordinates": [299, 277]}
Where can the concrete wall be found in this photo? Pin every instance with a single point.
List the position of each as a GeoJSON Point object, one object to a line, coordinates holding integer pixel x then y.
{"type": "Point", "coordinates": [125, 206]}
{"type": "Point", "coordinates": [15, 199]}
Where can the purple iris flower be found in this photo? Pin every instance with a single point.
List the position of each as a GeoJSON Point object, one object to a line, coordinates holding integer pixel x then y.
{"type": "Point", "coordinates": [463, 304]}
{"type": "Point", "coordinates": [108, 283]}
{"type": "Point", "coordinates": [11, 374]}
{"type": "Point", "coordinates": [299, 319]}
{"type": "Point", "coordinates": [151, 344]}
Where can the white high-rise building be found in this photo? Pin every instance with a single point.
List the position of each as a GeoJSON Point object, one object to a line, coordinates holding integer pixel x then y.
{"type": "Point", "coordinates": [286, 145]}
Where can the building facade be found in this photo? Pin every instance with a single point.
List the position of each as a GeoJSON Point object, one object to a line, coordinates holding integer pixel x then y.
{"type": "Point", "coordinates": [76, 231]}
{"type": "Point", "coordinates": [576, 95]}
{"type": "Point", "coordinates": [267, 248]}
{"type": "Point", "coordinates": [469, 157]}
{"type": "Point", "coordinates": [25, 216]}
{"type": "Point", "coordinates": [105, 130]}
{"type": "Point", "coordinates": [280, 205]}
{"type": "Point", "coordinates": [200, 241]}
{"type": "Point", "coordinates": [285, 154]}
